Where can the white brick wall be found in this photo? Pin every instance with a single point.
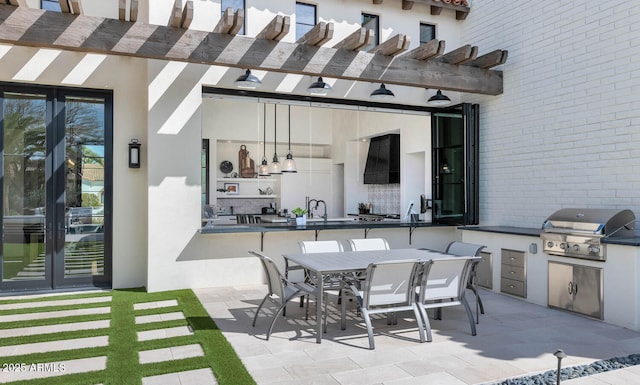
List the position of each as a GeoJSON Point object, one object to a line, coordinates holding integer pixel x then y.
{"type": "Point", "coordinates": [566, 131]}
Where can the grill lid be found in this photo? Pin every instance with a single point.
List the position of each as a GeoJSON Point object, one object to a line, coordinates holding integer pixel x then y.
{"type": "Point", "coordinates": [602, 222]}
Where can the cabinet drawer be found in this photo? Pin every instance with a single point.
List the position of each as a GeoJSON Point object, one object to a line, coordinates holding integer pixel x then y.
{"type": "Point", "coordinates": [511, 286]}
{"type": "Point", "coordinates": [513, 258]}
{"type": "Point", "coordinates": [512, 272]}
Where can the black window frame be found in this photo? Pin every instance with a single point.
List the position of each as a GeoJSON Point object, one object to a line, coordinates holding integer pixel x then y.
{"type": "Point", "coordinates": [205, 169]}
{"type": "Point", "coordinates": [432, 27]}
{"type": "Point", "coordinates": [299, 33]}
{"type": "Point", "coordinates": [365, 23]}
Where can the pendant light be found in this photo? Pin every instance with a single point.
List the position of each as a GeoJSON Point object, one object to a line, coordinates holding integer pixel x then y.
{"type": "Point", "coordinates": [275, 164]}
{"type": "Point", "coordinates": [289, 164]}
{"type": "Point", "coordinates": [438, 100]}
{"type": "Point", "coordinates": [263, 170]}
{"type": "Point", "coordinates": [382, 93]}
{"type": "Point", "coordinates": [247, 80]}
{"type": "Point", "coordinates": [319, 87]}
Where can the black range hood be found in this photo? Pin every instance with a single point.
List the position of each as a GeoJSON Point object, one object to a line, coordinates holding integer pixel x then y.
{"type": "Point", "coordinates": [383, 160]}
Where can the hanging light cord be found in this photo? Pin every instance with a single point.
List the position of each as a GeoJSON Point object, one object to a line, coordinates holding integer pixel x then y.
{"type": "Point", "coordinates": [289, 127]}
{"type": "Point", "coordinates": [275, 131]}
{"type": "Point", "coordinates": [264, 130]}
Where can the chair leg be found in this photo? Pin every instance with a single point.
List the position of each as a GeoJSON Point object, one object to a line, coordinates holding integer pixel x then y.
{"type": "Point", "coordinates": [425, 319]}
{"type": "Point", "coordinates": [325, 298]}
{"type": "Point", "coordinates": [367, 321]}
{"type": "Point", "coordinates": [470, 315]}
{"type": "Point", "coordinates": [275, 317]}
{"type": "Point", "coordinates": [419, 321]}
{"type": "Point", "coordinates": [255, 317]}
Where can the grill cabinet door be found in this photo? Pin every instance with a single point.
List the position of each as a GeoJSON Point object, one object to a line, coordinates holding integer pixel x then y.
{"type": "Point", "coordinates": [588, 296]}
{"type": "Point", "coordinates": [560, 278]}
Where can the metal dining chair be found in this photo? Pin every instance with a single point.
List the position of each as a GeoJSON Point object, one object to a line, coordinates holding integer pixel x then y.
{"type": "Point", "coordinates": [367, 244]}
{"type": "Point", "coordinates": [470, 249]}
{"type": "Point", "coordinates": [329, 283]}
{"type": "Point", "coordinates": [443, 284]}
{"type": "Point", "coordinates": [388, 288]}
{"type": "Point", "coordinates": [281, 290]}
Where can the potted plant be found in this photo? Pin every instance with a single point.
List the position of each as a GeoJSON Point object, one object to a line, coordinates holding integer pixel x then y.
{"type": "Point", "coordinates": [364, 208]}
{"type": "Point", "coordinates": [301, 219]}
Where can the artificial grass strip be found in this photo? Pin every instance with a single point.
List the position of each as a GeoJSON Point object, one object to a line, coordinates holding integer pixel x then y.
{"type": "Point", "coordinates": [54, 321]}
{"type": "Point", "coordinates": [123, 366]}
{"type": "Point", "coordinates": [44, 309]}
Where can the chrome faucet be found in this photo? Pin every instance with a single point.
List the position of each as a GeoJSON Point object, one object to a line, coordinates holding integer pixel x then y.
{"type": "Point", "coordinates": [317, 201]}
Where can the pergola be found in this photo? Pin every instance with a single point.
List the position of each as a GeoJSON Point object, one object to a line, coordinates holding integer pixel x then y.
{"type": "Point", "coordinates": [427, 66]}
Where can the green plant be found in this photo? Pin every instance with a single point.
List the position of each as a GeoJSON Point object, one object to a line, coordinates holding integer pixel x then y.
{"type": "Point", "coordinates": [298, 212]}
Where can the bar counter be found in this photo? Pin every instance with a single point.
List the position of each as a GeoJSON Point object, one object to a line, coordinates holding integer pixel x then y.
{"type": "Point", "coordinates": [317, 226]}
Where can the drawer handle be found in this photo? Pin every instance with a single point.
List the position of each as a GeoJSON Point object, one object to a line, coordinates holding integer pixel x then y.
{"type": "Point", "coordinates": [512, 272]}
{"type": "Point", "coordinates": [512, 258]}
{"type": "Point", "coordinates": [512, 287]}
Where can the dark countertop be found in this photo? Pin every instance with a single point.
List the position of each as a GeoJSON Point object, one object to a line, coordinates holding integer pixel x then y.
{"type": "Point", "coordinates": [628, 241]}
{"type": "Point", "coordinates": [269, 227]}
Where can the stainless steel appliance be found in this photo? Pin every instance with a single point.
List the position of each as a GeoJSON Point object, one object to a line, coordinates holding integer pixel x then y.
{"type": "Point", "coordinates": [578, 232]}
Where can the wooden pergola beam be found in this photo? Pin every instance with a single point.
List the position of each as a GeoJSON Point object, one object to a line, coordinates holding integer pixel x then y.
{"type": "Point", "coordinates": [76, 7]}
{"type": "Point", "coordinates": [490, 60]}
{"type": "Point", "coordinates": [460, 55]}
{"type": "Point", "coordinates": [357, 40]}
{"type": "Point", "coordinates": [133, 10]}
{"type": "Point", "coordinates": [395, 45]}
{"type": "Point", "coordinates": [276, 29]}
{"type": "Point", "coordinates": [426, 51]}
{"type": "Point", "coordinates": [64, 6]}
{"type": "Point", "coordinates": [318, 35]}
{"type": "Point", "coordinates": [122, 10]}
{"type": "Point", "coordinates": [377, 1]}
{"type": "Point", "coordinates": [438, 5]}
{"type": "Point", "coordinates": [22, 26]}
{"type": "Point", "coordinates": [176, 14]}
{"type": "Point", "coordinates": [187, 15]}
{"type": "Point", "coordinates": [231, 22]}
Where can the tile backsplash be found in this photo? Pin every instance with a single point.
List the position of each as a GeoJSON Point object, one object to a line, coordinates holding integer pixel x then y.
{"type": "Point", "coordinates": [385, 198]}
{"type": "Point", "coordinates": [243, 206]}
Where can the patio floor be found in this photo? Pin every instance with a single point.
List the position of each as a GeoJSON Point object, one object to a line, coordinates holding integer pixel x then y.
{"type": "Point", "coordinates": [515, 339]}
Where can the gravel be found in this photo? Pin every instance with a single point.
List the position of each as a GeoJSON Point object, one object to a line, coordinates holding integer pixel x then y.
{"type": "Point", "coordinates": [549, 377]}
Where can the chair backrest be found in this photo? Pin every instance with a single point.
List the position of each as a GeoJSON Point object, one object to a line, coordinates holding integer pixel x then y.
{"type": "Point", "coordinates": [366, 244]}
{"type": "Point", "coordinates": [464, 248]}
{"type": "Point", "coordinates": [320, 246]}
{"type": "Point", "coordinates": [275, 279]}
{"type": "Point", "coordinates": [390, 283]}
{"type": "Point", "coordinates": [446, 278]}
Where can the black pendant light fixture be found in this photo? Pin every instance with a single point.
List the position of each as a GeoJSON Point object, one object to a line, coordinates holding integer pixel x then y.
{"type": "Point", "coordinates": [275, 164]}
{"type": "Point", "coordinates": [289, 164]}
{"type": "Point", "coordinates": [248, 80]}
{"type": "Point", "coordinates": [319, 87]}
{"type": "Point", "coordinates": [438, 100]}
{"type": "Point", "coordinates": [382, 93]}
{"type": "Point", "coordinates": [263, 170]}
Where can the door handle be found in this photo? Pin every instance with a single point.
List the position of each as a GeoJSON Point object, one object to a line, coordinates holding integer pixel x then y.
{"type": "Point", "coordinates": [570, 287]}
{"type": "Point", "coordinates": [575, 288]}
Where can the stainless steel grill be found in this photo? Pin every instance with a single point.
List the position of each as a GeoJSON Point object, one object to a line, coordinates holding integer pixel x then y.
{"type": "Point", "coordinates": [578, 232]}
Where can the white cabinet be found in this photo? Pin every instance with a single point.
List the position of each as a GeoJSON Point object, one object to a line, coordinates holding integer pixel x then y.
{"type": "Point", "coordinates": [313, 179]}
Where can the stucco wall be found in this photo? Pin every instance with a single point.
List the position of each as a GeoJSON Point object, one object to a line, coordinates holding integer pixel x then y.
{"type": "Point", "coordinates": [565, 133]}
{"type": "Point", "coordinates": [123, 76]}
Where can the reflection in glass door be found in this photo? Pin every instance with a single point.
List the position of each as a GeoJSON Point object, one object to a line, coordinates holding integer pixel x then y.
{"type": "Point", "coordinates": [84, 187]}
{"type": "Point", "coordinates": [55, 189]}
{"type": "Point", "coordinates": [24, 189]}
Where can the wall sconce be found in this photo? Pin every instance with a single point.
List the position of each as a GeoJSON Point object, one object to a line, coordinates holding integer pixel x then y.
{"type": "Point", "coordinates": [134, 153]}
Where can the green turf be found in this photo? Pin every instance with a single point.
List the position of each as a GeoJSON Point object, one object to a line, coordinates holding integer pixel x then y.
{"type": "Point", "coordinates": [123, 366]}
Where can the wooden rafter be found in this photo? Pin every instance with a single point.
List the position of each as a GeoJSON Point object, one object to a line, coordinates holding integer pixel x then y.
{"type": "Point", "coordinates": [490, 60]}
{"type": "Point", "coordinates": [407, 5]}
{"type": "Point", "coordinates": [276, 29]}
{"type": "Point", "coordinates": [76, 7]}
{"type": "Point", "coordinates": [187, 15]}
{"type": "Point", "coordinates": [318, 35]}
{"type": "Point", "coordinates": [19, 3]}
{"type": "Point", "coordinates": [23, 26]}
{"type": "Point", "coordinates": [64, 6]}
{"type": "Point", "coordinates": [426, 51]}
{"type": "Point", "coordinates": [461, 55]}
{"type": "Point", "coordinates": [176, 14]}
{"type": "Point", "coordinates": [393, 46]}
{"type": "Point", "coordinates": [359, 39]}
{"type": "Point", "coordinates": [133, 10]}
{"type": "Point", "coordinates": [377, 1]}
{"type": "Point", "coordinates": [122, 10]}
{"type": "Point", "coordinates": [231, 22]}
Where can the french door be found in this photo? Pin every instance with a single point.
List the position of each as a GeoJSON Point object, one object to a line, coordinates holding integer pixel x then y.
{"type": "Point", "coordinates": [56, 183]}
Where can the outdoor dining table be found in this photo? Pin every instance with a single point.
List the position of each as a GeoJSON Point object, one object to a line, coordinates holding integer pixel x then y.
{"type": "Point", "coordinates": [345, 262]}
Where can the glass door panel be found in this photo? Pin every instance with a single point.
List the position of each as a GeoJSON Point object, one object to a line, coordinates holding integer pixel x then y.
{"type": "Point", "coordinates": [24, 187]}
{"type": "Point", "coordinates": [84, 242]}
